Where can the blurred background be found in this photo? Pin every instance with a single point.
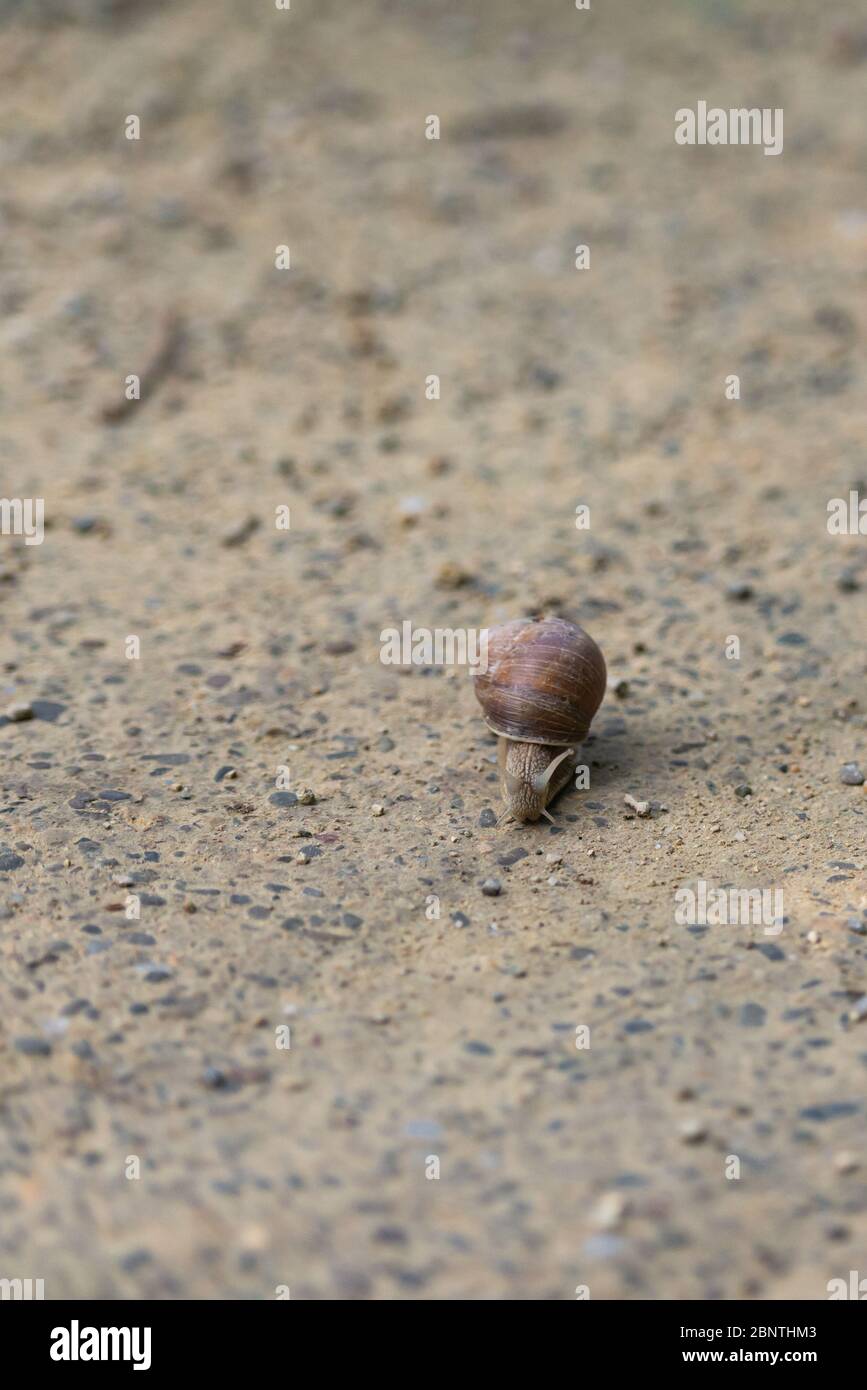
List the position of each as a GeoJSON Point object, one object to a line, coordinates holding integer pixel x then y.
{"type": "Point", "coordinates": [416, 1036]}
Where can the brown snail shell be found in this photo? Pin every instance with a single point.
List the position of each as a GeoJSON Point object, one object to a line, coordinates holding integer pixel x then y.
{"type": "Point", "coordinates": [544, 682]}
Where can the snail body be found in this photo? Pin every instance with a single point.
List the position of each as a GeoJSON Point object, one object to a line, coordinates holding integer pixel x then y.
{"type": "Point", "coordinates": [544, 682]}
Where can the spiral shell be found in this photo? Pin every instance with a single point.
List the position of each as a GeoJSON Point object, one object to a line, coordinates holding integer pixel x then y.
{"type": "Point", "coordinates": [544, 682]}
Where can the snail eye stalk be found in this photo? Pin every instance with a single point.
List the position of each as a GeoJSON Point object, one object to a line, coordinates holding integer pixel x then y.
{"type": "Point", "coordinates": [541, 781]}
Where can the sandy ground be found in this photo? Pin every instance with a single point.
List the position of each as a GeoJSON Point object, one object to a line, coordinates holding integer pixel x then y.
{"type": "Point", "coordinates": [415, 1037]}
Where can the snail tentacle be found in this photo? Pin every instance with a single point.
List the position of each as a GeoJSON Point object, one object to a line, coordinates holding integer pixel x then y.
{"type": "Point", "coordinates": [541, 780]}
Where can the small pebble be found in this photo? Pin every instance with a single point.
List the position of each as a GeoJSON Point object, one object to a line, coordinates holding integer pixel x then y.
{"type": "Point", "coordinates": [410, 509]}
{"type": "Point", "coordinates": [491, 887]}
{"type": "Point", "coordinates": [19, 711]}
{"type": "Point", "coordinates": [851, 775]}
{"type": "Point", "coordinates": [135, 1260]}
{"type": "Point", "coordinates": [511, 857]}
{"type": "Point", "coordinates": [740, 591]}
{"type": "Point", "coordinates": [86, 525]}
{"type": "Point", "coordinates": [609, 1211]}
{"type": "Point", "coordinates": [692, 1131]}
{"type": "Point", "coordinates": [214, 1078]}
{"type": "Point", "coordinates": [858, 1012]}
{"type": "Point", "coordinates": [451, 575]}
{"type": "Point", "coordinates": [33, 1047]}
{"type": "Point", "coordinates": [641, 808]}
{"type": "Point", "coordinates": [240, 531]}
{"type": "Point", "coordinates": [377, 809]}
{"type": "Point", "coordinates": [847, 1162]}
{"type": "Point", "coordinates": [752, 1016]}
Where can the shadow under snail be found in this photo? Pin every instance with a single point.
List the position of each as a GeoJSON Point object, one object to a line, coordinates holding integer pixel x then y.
{"type": "Point", "coordinates": [544, 682]}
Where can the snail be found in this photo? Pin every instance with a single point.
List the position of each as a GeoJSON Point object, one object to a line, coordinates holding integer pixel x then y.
{"type": "Point", "coordinates": [544, 681]}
